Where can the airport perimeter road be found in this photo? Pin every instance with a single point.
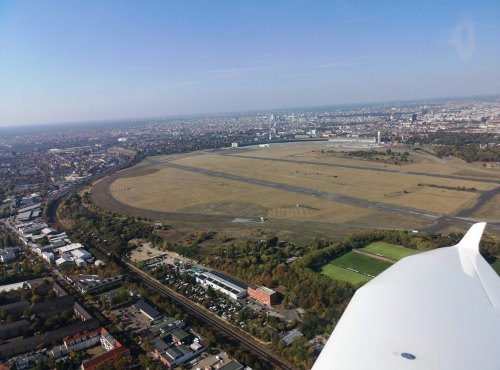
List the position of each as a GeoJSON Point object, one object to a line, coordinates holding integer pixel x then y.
{"type": "Point", "coordinates": [205, 315]}
{"type": "Point", "coordinates": [315, 193]}
{"type": "Point", "coordinates": [365, 168]}
{"type": "Point", "coordinates": [446, 221]}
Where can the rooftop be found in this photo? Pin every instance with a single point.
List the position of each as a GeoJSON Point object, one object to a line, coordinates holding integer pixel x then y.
{"type": "Point", "coordinates": [147, 309]}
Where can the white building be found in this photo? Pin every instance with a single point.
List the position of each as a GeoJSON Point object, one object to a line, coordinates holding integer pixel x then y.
{"type": "Point", "coordinates": [80, 262]}
{"type": "Point", "coordinates": [64, 259]}
{"type": "Point", "coordinates": [82, 341]}
{"type": "Point", "coordinates": [81, 253]}
{"type": "Point", "coordinates": [49, 257]}
{"type": "Point", "coordinates": [222, 285]}
{"type": "Point", "coordinates": [107, 341]}
{"type": "Point", "coordinates": [15, 286]}
{"type": "Point", "coordinates": [69, 248]}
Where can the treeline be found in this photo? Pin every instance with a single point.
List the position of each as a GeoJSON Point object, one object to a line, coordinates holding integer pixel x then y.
{"type": "Point", "coordinates": [305, 287]}
{"type": "Point", "coordinates": [454, 138]}
{"type": "Point", "coordinates": [470, 153]}
{"type": "Point", "coordinates": [490, 250]}
{"type": "Point", "coordinates": [471, 147]}
{"type": "Point", "coordinates": [190, 251]}
{"type": "Point", "coordinates": [388, 155]}
{"type": "Point", "coordinates": [104, 229]}
{"type": "Point", "coordinates": [6, 238]}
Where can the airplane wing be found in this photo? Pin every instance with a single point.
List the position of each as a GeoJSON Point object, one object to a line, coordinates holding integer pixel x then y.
{"type": "Point", "coordinates": [435, 310]}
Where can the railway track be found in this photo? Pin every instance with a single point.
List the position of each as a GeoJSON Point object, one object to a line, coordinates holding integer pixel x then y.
{"type": "Point", "coordinates": [217, 323]}
{"type": "Point", "coordinates": [222, 326]}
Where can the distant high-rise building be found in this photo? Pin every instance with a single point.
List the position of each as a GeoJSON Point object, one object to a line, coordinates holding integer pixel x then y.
{"type": "Point", "coordinates": [414, 117]}
{"type": "Point", "coordinates": [379, 137]}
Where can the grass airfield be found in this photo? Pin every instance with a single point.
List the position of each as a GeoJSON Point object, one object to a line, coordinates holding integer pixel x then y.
{"type": "Point", "coordinates": [235, 188]}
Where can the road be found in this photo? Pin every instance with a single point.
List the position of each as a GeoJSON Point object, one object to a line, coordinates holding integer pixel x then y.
{"type": "Point", "coordinates": [485, 197]}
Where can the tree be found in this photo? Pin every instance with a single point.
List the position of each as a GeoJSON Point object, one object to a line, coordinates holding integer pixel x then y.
{"type": "Point", "coordinates": [211, 292]}
{"type": "Point", "coordinates": [36, 298]}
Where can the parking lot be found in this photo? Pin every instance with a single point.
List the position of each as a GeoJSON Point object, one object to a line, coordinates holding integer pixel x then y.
{"type": "Point", "coordinates": [132, 318]}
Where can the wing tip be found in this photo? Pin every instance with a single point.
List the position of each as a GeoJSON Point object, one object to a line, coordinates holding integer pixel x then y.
{"type": "Point", "coordinates": [471, 239]}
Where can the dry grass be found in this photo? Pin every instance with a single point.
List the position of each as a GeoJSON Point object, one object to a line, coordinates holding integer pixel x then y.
{"type": "Point", "coordinates": [174, 190]}
{"type": "Point", "coordinates": [422, 162]}
{"type": "Point", "coordinates": [194, 200]}
{"type": "Point", "coordinates": [395, 189]}
{"type": "Point", "coordinates": [491, 210]}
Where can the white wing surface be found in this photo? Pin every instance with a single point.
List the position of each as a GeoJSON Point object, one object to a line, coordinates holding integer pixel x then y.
{"type": "Point", "coordinates": [435, 310]}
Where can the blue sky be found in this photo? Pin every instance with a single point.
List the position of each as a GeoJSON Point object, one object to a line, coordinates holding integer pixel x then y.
{"type": "Point", "coordinates": [63, 61]}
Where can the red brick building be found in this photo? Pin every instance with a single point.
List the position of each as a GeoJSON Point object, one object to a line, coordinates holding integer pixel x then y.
{"type": "Point", "coordinates": [115, 351]}
{"type": "Point", "coordinates": [106, 358]}
{"type": "Point", "coordinates": [263, 294]}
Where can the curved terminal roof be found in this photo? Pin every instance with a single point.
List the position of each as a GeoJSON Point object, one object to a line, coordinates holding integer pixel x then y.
{"type": "Point", "coordinates": [434, 310]}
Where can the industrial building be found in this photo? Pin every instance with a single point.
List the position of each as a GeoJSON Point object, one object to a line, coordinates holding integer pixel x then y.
{"type": "Point", "coordinates": [222, 284]}
{"type": "Point", "coordinates": [149, 311]}
{"type": "Point", "coordinates": [263, 294]}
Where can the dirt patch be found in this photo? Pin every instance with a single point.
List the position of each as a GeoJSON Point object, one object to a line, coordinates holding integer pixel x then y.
{"type": "Point", "coordinates": [143, 251]}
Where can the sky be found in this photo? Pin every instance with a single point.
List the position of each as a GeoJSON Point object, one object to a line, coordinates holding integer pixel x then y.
{"type": "Point", "coordinates": [66, 60]}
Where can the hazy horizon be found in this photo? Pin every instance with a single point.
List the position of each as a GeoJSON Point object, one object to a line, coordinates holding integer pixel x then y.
{"type": "Point", "coordinates": [119, 120]}
{"type": "Point", "coordinates": [84, 61]}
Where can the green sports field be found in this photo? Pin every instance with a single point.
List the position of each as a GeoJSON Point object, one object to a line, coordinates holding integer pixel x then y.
{"type": "Point", "coordinates": [339, 273]}
{"type": "Point", "coordinates": [392, 251]}
{"type": "Point", "coordinates": [363, 264]}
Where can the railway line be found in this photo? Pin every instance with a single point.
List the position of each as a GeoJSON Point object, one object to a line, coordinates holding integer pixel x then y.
{"type": "Point", "coordinates": [206, 316]}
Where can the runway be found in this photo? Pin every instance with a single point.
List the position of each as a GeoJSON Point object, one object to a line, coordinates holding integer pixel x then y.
{"type": "Point", "coordinates": [374, 169]}
{"type": "Point", "coordinates": [441, 221]}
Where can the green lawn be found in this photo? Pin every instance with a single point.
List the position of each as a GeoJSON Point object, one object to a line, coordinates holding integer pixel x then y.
{"type": "Point", "coordinates": [339, 273]}
{"type": "Point", "coordinates": [364, 264]}
{"type": "Point", "coordinates": [392, 251]}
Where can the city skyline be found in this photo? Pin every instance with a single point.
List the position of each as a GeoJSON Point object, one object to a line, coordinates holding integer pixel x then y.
{"type": "Point", "coordinates": [88, 61]}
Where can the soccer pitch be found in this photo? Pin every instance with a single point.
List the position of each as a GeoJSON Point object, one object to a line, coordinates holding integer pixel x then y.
{"type": "Point", "coordinates": [339, 273]}
{"type": "Point", "coordinates": [361, 264]}
{"type": "Point", "coordinates": [392, 251]}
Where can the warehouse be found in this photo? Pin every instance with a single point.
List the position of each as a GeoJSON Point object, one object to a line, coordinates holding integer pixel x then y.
{"type": "Point", "coordinates": [222, 285]}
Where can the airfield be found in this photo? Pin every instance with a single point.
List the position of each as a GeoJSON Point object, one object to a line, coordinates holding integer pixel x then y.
{"type": "Point", "coordinates": [303, 189]}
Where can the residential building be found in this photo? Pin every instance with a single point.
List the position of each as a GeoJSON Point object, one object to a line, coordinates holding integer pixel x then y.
{"type": "Point", "coordinates": [83, 340]}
